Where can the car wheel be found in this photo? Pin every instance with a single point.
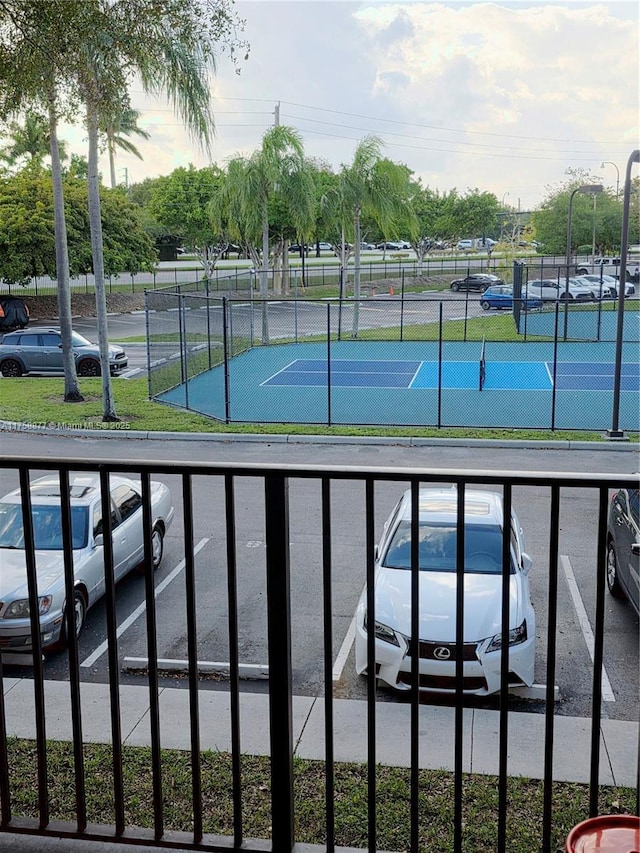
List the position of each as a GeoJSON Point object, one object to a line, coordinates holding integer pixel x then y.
{"type": "Point", "coordinates": [10, 367]}
{"type": "Point", "coordinates": [80, 613]}
{"type": "Point", "coordinates": [582, 271]}
{"type": "Point", "coordinates": [564, 297]}
{"type": "Point", "coordinates": [485, 305]}
{"type": "Point", "coordinates": [89, 367]}
{"type": "Point", "coordinates": [455, 287]}
{"type": "Point", "coordinates": [613, 579]}
{"type": "Point", "coordinates": [157, 546]}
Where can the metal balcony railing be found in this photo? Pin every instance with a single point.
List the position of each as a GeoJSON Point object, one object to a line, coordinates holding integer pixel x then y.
{"type": "Point", "coordinates": [340, 510]}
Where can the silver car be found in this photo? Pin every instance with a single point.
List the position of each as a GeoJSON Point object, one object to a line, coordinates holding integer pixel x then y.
{"type": "Point", "coordinates": [40, 351]}
{"type": "Point", "coordinates": [88, 550]}
{"type": "Point", "coordinates": [623, 546]}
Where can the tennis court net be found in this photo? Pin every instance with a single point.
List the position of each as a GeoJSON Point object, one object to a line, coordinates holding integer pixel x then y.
{"type": "Point", "coordinates": [483, 365]}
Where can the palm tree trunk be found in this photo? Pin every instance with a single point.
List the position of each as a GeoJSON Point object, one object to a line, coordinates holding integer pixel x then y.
{"type": "Point", "coordinates": [112, 160]}
{"type": "Point", "coordinates": [264, 276]}
{"type": "Point", "coordinates": [356, 277]}
{"type": "Point", "coordinates": [95, 225]}
{"type": "Point", "coordinates": [71, 389]}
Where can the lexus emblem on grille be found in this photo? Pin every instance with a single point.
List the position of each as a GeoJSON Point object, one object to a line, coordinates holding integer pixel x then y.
{"type": "Point", "coordinates": [441, 653]}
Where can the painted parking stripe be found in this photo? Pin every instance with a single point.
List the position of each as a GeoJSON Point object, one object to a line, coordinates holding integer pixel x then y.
{"type": "Point", "coordinates": [128, 622]}
{"type": "Point", "coordinates": [585, 625]}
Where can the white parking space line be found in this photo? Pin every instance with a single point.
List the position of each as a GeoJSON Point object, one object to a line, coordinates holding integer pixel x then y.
{"type": "Point", "coordinates": [345, 648]}
{"type": "Point", "coordinates": [128, 622]}
{"type": "Point", "coordinates": [585, 625]}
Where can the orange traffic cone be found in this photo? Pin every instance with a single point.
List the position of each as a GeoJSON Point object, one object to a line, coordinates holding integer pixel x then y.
{"type": "Point", "coordinates": [390, 290]}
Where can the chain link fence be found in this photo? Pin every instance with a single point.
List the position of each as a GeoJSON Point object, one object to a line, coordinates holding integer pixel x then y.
{"type": "Point", "coordinates": [407, 359]}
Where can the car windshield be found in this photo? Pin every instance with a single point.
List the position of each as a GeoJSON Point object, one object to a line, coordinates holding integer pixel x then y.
{"type": "Point", "coordinates": [437, 549]}
{"type": "Point", "coordinates": [47, 526]}
{"type": "Point", "coordinates": [78, 340]}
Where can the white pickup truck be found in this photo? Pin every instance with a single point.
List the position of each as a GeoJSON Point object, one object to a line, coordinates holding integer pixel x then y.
{"type": "Point", "coordinates": [610, 266]}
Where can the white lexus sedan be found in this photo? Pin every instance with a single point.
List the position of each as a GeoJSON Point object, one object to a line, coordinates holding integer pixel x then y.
{"type": "Point", "coordinates": [437, 597]}
{"type": "Point", "coordinates": [88, 550]}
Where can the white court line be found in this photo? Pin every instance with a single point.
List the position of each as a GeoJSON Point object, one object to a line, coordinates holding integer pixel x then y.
{"type": "Point", "coordinates": [128, 622]}
{"type": "Point", "coordinates": [585, 625]}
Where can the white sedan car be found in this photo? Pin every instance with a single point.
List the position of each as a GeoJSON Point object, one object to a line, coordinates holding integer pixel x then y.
{"type": "Point", "coordinates": [88, 550]}
{"type": "Point", "coordinates": [437, 597]}
{"type": "Point", "coordinates": [548, 289]}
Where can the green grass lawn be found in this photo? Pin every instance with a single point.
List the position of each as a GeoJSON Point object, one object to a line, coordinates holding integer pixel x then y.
{"type": "Point", "coordinates": [40, 401]}
{"type": "Point", "coordinates": [435, 802]}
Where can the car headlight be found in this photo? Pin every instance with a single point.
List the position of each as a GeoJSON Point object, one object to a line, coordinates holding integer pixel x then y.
{"type": "Point", "coordinates": [516, 636]}
{"type": "Point", "coordinates": [384, 633]}
{"type": "Point", "coordinates": [19, 609]}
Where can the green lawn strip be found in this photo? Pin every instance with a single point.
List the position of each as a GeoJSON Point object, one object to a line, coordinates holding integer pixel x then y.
{"type": "Point", "coordinates": [480, 798]}
{"type": "Point", "coordinates": [40, 401]}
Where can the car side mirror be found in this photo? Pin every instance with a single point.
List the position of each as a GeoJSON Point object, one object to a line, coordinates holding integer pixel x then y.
{"type": "Point", "coordinates": [98, 540]}
{"type": "Point", "coordinates": [527, 562]}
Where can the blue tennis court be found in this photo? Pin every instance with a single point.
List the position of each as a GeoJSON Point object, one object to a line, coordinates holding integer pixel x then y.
{"type": "Point", "coordinates": [365, 373]}
{"type": "Point", "coordinates": [411, 383]}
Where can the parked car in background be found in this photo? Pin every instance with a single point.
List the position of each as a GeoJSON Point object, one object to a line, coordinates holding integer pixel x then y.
{"type": "Point", "coordinates": [322, 246]}
{"type": "Point", "coordinates": [484, 527]}
{"type": "Point", "coordinates": [87, 540]}
{"type": "Point", "coordinates": [464, 245]}
{"type": "Point", "coordinates": [609, 288]}
{"type": "Point", "coordinates": [501, 296]}
{"type": "Point", "coordinates": [623, 546]}
{"type": "Point", "coordinates": [476, 281]}
{"type": "Point", "coordinates": [551, 290]}
{"type": "Point", "coordinates": [39, 350]}
{"type": "Point", "coordinates": [367, 247]}
{"type": "Point", "coordinates": [393, 245]}
{"type": "Point", "coordinates": [14, 313]}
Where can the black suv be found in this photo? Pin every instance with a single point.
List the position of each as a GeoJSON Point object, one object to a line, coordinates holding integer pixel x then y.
{"type": "Point", "coordinates": [40, 351]}
{"type": "Point", "coordinates": [476, 281]}
{"type": "Point", "coordinates": [14, 314]}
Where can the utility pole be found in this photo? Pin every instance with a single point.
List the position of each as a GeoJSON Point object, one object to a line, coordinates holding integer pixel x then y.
{"type": "Point", "coordinates": [276, 114]}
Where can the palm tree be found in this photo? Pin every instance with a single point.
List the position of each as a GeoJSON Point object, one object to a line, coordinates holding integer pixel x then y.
{"type": "Point", "coordinates": [117, 127]}
{"type": "Point", "coordinates": [375, 187]}
{"type": "Point", "coordinates": [171, 48]}
{"type": "Point", "coordinates": [276, 168]}
{"type": "Point", "coordinates": [30, 139]}
{"type": "Point", "coordinates": [28, 76]}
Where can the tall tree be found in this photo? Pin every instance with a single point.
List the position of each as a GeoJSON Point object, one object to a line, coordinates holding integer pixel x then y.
{"type": "Point", "coordinates": [171, 46]}
{"type": "Point", "coordinates": [29, 139]}
{"type": "Point", "coordinates": [276, 168]}
{"type": "Point", "coordinates": [375, 186]}
{"type": "Point", "coordinates": [117, 127]}
{"type": "Point", "coordinates": [29, 75]}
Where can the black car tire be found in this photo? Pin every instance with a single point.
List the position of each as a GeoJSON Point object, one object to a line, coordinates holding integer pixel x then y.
{"type": "Point", "coordinates": [613, 579]}
{"type": "Point", "coordinates": [10, 368]}
{"type": "Point", "coordinates": [89, 367]}
{"type": "Point", "coordinates": [565, 297]}
{"type": "Point", "coordinates": [157, 546]}
{"type": "Point", "coordinates": [485, 305]}
{"type": "Point", "coordinates": [455, 286]}
{"type": "Point", "coordinates": [80, 612]}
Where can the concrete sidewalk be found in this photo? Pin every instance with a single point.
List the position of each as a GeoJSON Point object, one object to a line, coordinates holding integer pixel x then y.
{"type": "Point", "coordinates": [526, 731]}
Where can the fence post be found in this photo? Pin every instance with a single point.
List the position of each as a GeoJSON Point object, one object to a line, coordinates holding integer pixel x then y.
{"type": "Point", "coordinates": [440, 368]}
{"type": "Point", "coordinates": [555, 368]}
{"type": "Point", "coordinates": [329, 363]}
{"type": "Point", "coordinates": [225, 351]}
{"type": "Point", "coordinates": [279, 645]}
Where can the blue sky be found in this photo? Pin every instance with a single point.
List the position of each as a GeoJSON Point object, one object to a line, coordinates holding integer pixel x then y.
{"type": "Point", "coordinates": [500, 96]}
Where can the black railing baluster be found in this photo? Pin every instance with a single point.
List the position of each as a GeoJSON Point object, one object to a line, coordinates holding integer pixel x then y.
{"type": "Point", "coordinates": [414, 819]}
{"type": "Point", "coordinates": [192, 656]}
{"type": "Point", "coordinates": [112, 652]}
{"type": "Point", "coordinates": [598, 649]}
{"type": "Point", "coordinates": [328, 669]}
{"type": "Point", "coordinates": [503, 781]}
{"type": "Point", "coordinates": [371, 667]}
{"type": "Point", "coordinates": [279, 643]}
{"type": "Point", "coordinates": [459, 699]}
{"type": "Point", "coordinates": [554, 533]}
{"type": "Point", "coordinates": [234, 666]}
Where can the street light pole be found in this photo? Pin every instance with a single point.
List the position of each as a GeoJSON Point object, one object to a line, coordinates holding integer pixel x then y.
{"type": "Point", "coordinates": [615, 432]}
{"type": "Point", "coordinates": [609, 163]}
{"type": "Point", "coordinates": [588, 189]}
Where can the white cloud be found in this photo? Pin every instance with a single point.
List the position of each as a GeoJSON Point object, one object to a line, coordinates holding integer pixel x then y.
{"type": "Point", "coordinates": [502, 96]}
